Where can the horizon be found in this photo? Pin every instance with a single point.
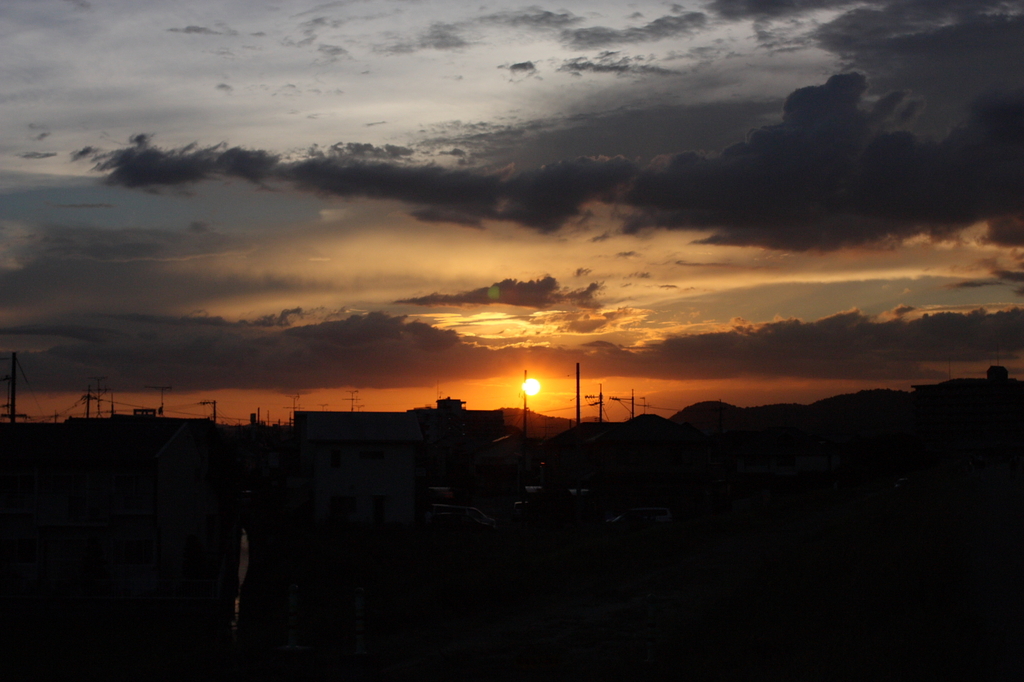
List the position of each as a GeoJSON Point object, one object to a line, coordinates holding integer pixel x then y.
{"type": "Point", "coordinates": [737, 200]}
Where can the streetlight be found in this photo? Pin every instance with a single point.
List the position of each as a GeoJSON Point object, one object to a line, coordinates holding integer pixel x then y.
{"type": "Point", "coordinates": [530, 387]}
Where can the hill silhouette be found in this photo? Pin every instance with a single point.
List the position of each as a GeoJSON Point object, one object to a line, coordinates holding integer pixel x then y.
{"type": "Point", "coordinates": [871, 412]}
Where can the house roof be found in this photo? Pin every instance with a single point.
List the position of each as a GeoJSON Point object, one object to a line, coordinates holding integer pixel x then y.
{"type": "Point", "coordinates": [586, 430]}
{"type": "Point", "coordinates": [652, 428]}
{"type": "Point", "coordinates": [89, 440]}
{"type": "Point", "coordinates": [394, 427]}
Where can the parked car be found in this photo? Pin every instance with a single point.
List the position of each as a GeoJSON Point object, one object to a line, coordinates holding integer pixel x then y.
{"type": "Point", "coordinates": [641, 515]}
{"type": "Point", "coordinates": [450, 515]}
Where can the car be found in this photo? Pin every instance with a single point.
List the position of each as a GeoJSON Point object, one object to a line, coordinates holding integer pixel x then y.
{"type": "Point", "coordinates": [451, 515]}
{"type": "Point", "coordinates": [642, 515]}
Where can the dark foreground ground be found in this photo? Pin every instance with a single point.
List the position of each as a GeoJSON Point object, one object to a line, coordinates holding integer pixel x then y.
{"type": "Point", "coordinates": [877, 583]}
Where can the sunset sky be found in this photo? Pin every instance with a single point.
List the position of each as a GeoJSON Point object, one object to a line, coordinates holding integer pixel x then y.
{"type": "Point", "coordinates": [749, 200]}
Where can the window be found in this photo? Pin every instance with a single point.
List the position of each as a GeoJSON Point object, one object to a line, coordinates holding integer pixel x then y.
{"type": "Point", "coordinates": [371, 454]}
{"type": "Point", "coordinates": [342, 506]}
{"type": "Point", "coordinates": [335, 459]}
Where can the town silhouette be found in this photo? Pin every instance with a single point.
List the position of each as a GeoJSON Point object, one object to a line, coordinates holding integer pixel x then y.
{"type": "Point", "coordinates": [825, 541]}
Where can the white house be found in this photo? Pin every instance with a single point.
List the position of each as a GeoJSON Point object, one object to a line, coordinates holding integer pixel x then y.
{"type": "Point", "coordinates": [362, 465]}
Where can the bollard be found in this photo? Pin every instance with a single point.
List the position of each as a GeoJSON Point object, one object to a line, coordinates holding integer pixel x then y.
{"type": "Point", "coordinates": [360, 625]}
{"type": "Point", "coordinates": [293, 616]}
{"type": "Point", "coordinates": [294, 662]}
{"type": "Point", "coordinates": [650, 629]}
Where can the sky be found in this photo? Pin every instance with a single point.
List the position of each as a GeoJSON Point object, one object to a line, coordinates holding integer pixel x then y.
{"type": "Point", "coordinates": [378, 203]}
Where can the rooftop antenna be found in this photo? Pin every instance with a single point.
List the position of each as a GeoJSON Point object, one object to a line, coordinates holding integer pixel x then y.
{"type": "Point", "coordinates": [161, 389]}
{"type": "Point", "coordinates": [214, 404]}
{"type": "Point", "coordinates": [99, 392]}
{"type": "Point", "coordinates": [354, 398]}
{"type": "Point", "coordinates": [295, 406]}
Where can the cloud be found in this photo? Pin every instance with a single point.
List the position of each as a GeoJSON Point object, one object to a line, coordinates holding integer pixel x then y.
{"type": "Point", "coordinates": [37, 155]}
{"type": "Point", "coordinates": [439, 36]}
{"type": "Point", "coordinates": [663, 27]}
{"type": "Point", "coordinates": [533, 18]}
{"type": "Point", "coordinates": [849, 345]}
{"type": "Point", "coordinates": [837, 172]}
{"type": "Point", "coordinates": [377, 350]}
{"type": "Point", "coordinates": [610, 62]}
{"type": "Point", "coordinates": [283, 319]}
{"type": "Point", "coordinates": [196, 30]}
{"type": "Point", "coordinates": [522, 68]}
{"type": "Point", "coordinates": [743, 9]}
{"type": "Point", "coordinates": [584, 322]}
{"type": "Point", "coordinates": [834, 174]}
{"type": "Point", "coordinates": [75, 332]}
{"type": "Point", "coordinates": [946, 51]}
{"type": "Point", "coordinates": [539, 293]}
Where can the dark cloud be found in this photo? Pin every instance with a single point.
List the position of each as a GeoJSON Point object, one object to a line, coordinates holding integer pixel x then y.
{"type": "Point", "coordinates": [224, 87]}
{"type": "Point", "coordinates": [663, 27]}
{"type": "Point", "coordinates": [834, 174]}
{"type": "Point", "coordinates": [440, 36]}
{"type": "Point", "coordinates": [611, 62]}
{"type": "Point", "coordinates": [522, 67]}
{"type": "Point", "coordinates": [639, 129]}
{"type": "Point", "coordinates": [142, 165]}
{"type": "Point", "coordinates": [66, 331]}
{"type": "Point", "coordinates": [838, 171]}
{"type": "Point", "coordinates": [283, 319]}
{"type": "Point", "coordinates": [946, 51]}
{"type": "Point", "coordinates": [540, 293]}
{"type": "Point", "coordinates": [333, 51]}
{"type": "Point", "coordinates": [37, 155]}
{"type": "Point", "coordinates": [196, 30]}
{"type": "Point", "coordinates": [362, 150]}
{"type": "Point", "coordinates": [377, 350]}
{"type": "Point", "coordinates": [84, 153]}
{"type": "Point", "coordinates": [743, 9]}
{"type": "Point", "coordinates": [118, 245]}
{"type": "Point", "coordinates": [372, 350]}
{"type": "Point", "coordinates": [972, 284]}
{"type": "Point", "coordinates": [534, 18]}
{"type": "Point", "coordinates": [849, 345]}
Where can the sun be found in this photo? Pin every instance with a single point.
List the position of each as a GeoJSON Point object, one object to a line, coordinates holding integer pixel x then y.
{"type": "Point", "coordinates": [531, 387]}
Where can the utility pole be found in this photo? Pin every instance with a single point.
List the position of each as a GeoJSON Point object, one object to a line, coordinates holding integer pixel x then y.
{"type": "Point", "coordinates": [161, 389]}
{"type": "Point", "coordinates": [99, 392]}
{"type": "Point", "coordinates": [632, 402]}
{"type": "Point", "coordinates": [211, 402]}
{"type": "Point", "coordinates": [600, 402]}
{"type": "Point", "coordinates": [577, 394]}
{"type": "Point", "coordinates": [12, 383]}
{"type": "Point", "coordinates": [353, 399]}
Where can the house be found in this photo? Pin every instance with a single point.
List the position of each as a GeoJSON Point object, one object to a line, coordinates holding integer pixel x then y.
{"type": "Point", "coordinates": [361, 466]}
{"type": "Point", "coordinates": [640, 462]}
{"type": "Point", "coordinates": [972, 414]}
{"type": "Point", "coordinates": [124, 507]}
{"type": "Point", "coordinates": [453, 438]}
